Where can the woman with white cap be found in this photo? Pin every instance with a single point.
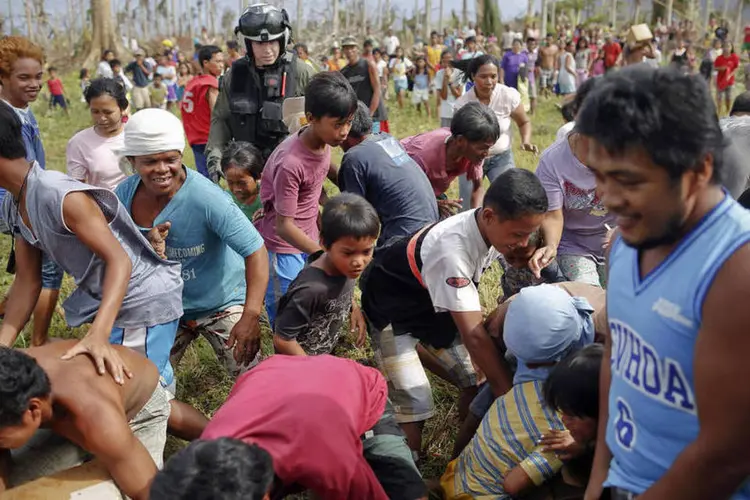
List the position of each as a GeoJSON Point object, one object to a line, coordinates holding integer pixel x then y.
{"type": "Point", "coordinates": [224, 261]}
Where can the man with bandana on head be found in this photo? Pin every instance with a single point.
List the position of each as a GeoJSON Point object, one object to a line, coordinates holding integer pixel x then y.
{"type": "Point", "coordinates": [251, 93]}
{"type": "Point", "coordinates": [507, 444]}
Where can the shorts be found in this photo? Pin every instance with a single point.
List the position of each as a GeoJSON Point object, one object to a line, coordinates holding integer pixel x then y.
{"type": "Point", "coordinates": [58, 100]}
{"type": "Point", "coordinates": [385, 449]}
{"type": "Point", "coordinates": [400, 85]}
{"type": "Point", "coordinates": [533, 93]}
{"type": "Point", "coordinates": [408, 386]}
{"type": "Point", "coordinates": [141, 98]}
{"type": "Point", "coordinates": [445, 122]}
{"type": "Point", "coordinates": [583, 269]}
{"type": "Point", "coordinates": [482, 402]}
{"type": "Point", "coordinates": [52, 274]}
{"type": "Point", "coordinates": [154, 342]}
{"type": "Point", "coordinates": [283, 268]}
{"type": "Point", "coordinates": [201, 164]}
{"type": "Point", "coordinates": [171, 92]}
{"type": "Point", "coordinates": [215, 328]}
{"type": "Point", "coordinates": [725, 92]}
{"type": "Point", "coordinates": [47, 453]}
{"type": "Point", "coordinates": [418, 96]}
{"type": "Point", "coordinates": [546, 79]}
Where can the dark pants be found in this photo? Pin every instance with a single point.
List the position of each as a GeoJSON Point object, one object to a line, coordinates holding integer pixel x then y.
{"type": "Point", "coordinates": [201, 164]}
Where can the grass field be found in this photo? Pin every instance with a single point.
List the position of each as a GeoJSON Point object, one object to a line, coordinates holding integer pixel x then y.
{"type": "Point", "coordinates": [201, 380]}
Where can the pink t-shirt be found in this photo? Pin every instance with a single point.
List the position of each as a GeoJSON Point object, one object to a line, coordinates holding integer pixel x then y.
{"type": "Point", "coordinates": [290, 186]}
{"type": "Point", "coordinates": [308, 413]}
{"type": "Point", "coordinates": [428, 150]}
{"type": "Point", "coordinates": [93, 159]}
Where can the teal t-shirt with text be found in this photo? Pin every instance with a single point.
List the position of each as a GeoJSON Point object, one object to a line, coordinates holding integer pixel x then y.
{"type": "Point", "coordinates": [210, 237]}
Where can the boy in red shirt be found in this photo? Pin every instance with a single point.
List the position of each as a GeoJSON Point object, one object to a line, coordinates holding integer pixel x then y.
{"type": "Point", "coordinates": [198, 103]}
{"type": "Point", "coordinates": [726, 65]}
{"type": "Point", "coordinates": [612, 51]}
{"type": "Point", "coordinates": [56, 90]}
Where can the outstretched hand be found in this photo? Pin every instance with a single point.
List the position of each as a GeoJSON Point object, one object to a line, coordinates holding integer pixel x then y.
{"type": "Point", "coordinates": [542, 258]}
{"type": "Point", "coordinates": [358, 326]}
{"type": "Point", "coordinates": [105, 357]}
{"type": "Point", "coordinates": [530, 148]}
{"type": "Point", "coordinates": [562, 444]}
{"type": "Point", "coordinates": [157, 236]}
{"type": "Point", "coordinates": [245, 340]}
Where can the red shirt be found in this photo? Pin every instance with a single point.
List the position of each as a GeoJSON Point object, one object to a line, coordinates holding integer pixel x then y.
{"type": "Point", "coordinates": [308, 413]}
{"type": "Point", "coordinates": [747, 34]}
{"type": "Point", "coordinates": [196, 115]}
{"type": "Point", "coordinates": [611, 53]}
{"type": "Point", "coordinates": [55, 86]}
{"type": "Point", "coordinates": [726, 65]}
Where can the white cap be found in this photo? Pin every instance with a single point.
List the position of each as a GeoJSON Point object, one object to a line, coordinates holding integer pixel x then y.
{"type": "Point", "coordinates": [153, 131]}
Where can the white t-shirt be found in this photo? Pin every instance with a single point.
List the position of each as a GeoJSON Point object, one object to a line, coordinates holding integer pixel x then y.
{"type": "Point", "coordinates": [503, 101]}
{"type": "Point", "coordinates": [471, 55]}
{"type": "Point", "coordinates": [564, 130]}
{"type": "Point", "coordinates": [381, 65]}
{"type": "Point", "coordinates": [93, 159]}
{"type": "Point", "coordinates": [508, 38]}
{"type": "Point", "coordinates": [104, 70]}
{"type": "Point", "coordinates": [399, 68]}
{"type": "Point", "coordinates": [391, 44]}
{"type": "Point", "coordinates": [446, 105]}
{"type": "Point", "coordinates": [454, 256]}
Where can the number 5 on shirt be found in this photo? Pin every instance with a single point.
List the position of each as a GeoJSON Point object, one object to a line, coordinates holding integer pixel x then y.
{"type": "Point", "coordinates": [187, 102]}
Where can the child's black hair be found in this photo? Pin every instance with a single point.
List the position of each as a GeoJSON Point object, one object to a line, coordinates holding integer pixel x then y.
{"type": "Point", "coordinates": [330, 94]}
{"type": "Point", "coordinates": [572, 386]}
{"type": "Point", "coordinates": [83, 73]}
{"type": "Point", "coordinates": [515, 194]}
{"type": "Point", "coordinates": [115, 63]}
{"type": "Point", "coordinates": [51, 69]}
{"type": "Point", "coordinates": [110, 87]}
{"type": "Point", "coordinates": [12, 146]}
{"type": "Point", "coordinates": [21, 378]}
{"type": "Point", "coordinates": [476, 122]}
{"type": "Point", "coordinates": [207, 53]}
{"type": "Point", "coordinates": [348, 214]}
{"type": "Point", "coordinates": [243, 155]}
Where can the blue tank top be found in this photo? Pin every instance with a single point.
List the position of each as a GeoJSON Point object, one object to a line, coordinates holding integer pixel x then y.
{"type": "Point", "coordinates": [654, 323]}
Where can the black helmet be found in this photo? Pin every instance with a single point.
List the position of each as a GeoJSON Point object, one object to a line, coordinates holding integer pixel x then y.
{"type": "Point", "coordinates": [262, 22]}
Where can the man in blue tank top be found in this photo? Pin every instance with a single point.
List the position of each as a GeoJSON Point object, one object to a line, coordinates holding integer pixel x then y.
{"type": "Point", "coordinates": [675, 408]}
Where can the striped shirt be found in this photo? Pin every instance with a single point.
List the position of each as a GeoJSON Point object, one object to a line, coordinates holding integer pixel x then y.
{"type": "Point", "coordinates": [507, 437]}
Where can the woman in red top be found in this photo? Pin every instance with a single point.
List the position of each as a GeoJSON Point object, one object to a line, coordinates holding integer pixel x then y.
{"type": "Point", "coordinates": [726, 65]}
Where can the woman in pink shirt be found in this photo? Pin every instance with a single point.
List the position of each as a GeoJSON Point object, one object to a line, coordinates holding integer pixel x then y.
{"type": "Point", "coordinates": [92, 153]}
{"type": "Point", "coordinates": [505, 102]}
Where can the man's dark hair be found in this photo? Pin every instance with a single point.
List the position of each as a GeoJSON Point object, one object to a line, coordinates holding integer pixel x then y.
{"type": "Point", "coordinates": [243, 155]}
{"type": "Point", "coordinates": [476, 122]}
{"type": "Point", "coordinates": [572, 386]}
{"type": "Point", "coordinates": [221, 469]}
{"type": "Point", "coordinates": [21, 378]}
{"type": "Point", "coordinates": [206, 53]}
{"type": "Point", "coordinates": [663, 112]}
{"type": "Point", "coordinates": [114, 63]}
{"type": "Point", "coordinates": [105, 52]}
{"type": "Point", "coordinates": [377, 51]}
{"type": "Point", "coordinates": [368, 43]}
{"type": "Point", "coordinates": [530, 39]}
{"type": "Point", "coordinates": [233, 45]}
{"type": "Point", "coordinates": [12, 146]}
{"type": "Point", "coordinates": [348, 214]}
{"type": "Point", "coordinates": [744, 199]}
{"type": "Point", "coordinates": [110, 87]}
{"type": "Point", "coordinates": [302, 46]}
{"type": "Point", "coordinates": [741, 104]}
{"type": "Point", "coordinates": [362, 122]}
{"type": "Point", "coordinates": [516, 193]}
{"type": "Point", "coordinates": [330, 94]}
{"type": "Point", "coordinates": [51, 69]}
{"type": "Point", "coordinates": [568, 111]}
{"type": "Point", "coordinates": [470, 39]}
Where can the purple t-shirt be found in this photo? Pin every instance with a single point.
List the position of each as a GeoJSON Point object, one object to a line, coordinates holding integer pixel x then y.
{"type": "Point", "coordinates": [511, 65]}
{"type": "Point", "coordinates": [571, 186]}
{"type": "Point", "coordinates": [290, 186]}
{"type": "Point", "coordinates": [532, 57]}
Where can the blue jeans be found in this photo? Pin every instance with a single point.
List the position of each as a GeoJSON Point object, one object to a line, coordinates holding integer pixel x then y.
{"type": "Point", "coordinates": [494, 167]}
{"type": "Point", "coordinates": [283, 268]}
{"type": "Point", "coordinates": [201, 164]}
{"type": "Point", "coordinates": [52, 274]}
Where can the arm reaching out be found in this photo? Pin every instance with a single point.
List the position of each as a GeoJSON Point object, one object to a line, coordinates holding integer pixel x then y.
{"type": "Point", "coordinates": [24, 292]}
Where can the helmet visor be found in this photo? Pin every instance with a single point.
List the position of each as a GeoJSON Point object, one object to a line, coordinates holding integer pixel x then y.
{"type": "Point", "coordinates": [263, 26]}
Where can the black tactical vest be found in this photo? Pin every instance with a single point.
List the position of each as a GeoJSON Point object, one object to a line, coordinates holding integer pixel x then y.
{"type": "Point", "coordinates": [255, 99]}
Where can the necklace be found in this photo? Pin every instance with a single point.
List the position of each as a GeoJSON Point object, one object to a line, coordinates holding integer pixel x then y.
{"type": "Point", "coordinates": [17, 201]}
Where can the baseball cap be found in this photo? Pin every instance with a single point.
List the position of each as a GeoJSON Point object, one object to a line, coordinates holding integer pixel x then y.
{"type": "Point", "coordinates": [349, 41]}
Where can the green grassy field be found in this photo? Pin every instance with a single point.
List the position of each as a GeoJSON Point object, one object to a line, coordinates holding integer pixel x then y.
{"type": "Point", "coordinates": [201, 380]}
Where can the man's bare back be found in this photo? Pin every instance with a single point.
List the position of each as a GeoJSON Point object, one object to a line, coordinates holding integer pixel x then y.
{"type": "Point", "coordinates": [548, 55]}
{"type": "Point", "coordinates": [76, 384]}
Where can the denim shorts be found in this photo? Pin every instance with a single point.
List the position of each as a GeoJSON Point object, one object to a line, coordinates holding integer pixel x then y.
{"type": "Point", "coordinates": [283, 268]}
{"type": "Point", "coordinates": [52, 274]}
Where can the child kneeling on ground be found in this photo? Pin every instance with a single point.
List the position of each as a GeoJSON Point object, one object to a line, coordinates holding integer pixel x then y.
{"type": "Point", "coordinates": [507, 443]}
{"type": "Point", "coordinates": [312, 311]}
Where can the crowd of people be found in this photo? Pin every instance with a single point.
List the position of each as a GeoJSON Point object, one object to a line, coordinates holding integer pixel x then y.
{"type": "Point", "coordinates": [607, 369]}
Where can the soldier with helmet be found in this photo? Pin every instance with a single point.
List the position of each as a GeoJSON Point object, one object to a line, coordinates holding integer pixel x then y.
{"type": "Point", "coordinates": [252, 92]}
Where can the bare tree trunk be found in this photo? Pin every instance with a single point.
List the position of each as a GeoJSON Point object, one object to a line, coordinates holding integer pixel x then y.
{"type": "Point", "coordinates": [464, 13]}
{"type": "Point", "coordinates": [738, 23]}
{"type": "Point", "coordinates": [543, 32]}
{"type": "Point", "coordinates": [440, 18]}
{"type": "Point", "coordinates": [670, 8]}
{"type": "Point", "coordinates": [388, 20]}
{"type": "Point", "coordinates": [613, 19]}
{"type": "Point", "coordinates": [347, 17]}
{"type": "Point", "coordinates": [10, 16]}
{"type": "Point", "coordinates": [637, 12]}
{"type": "Point", "coordinates": [529, 11]}
{"type": "Point", "coordinates": [479, 11]}
{"type": "Point", "coordinates": [212, 12]}
{"type": "Point", "coordinates": [335, 23]}
{"type": "Point", "coordinates": [553, 17]}
{"type": "Point", "coordinates": [29, 25]}
{"type": "Point", "coordinates": [378, 17]}
{"type": "Point", "coordinates": [725, 10]}
{"type": "Point", "coordinates": [427, 19]}
{"type": "Point", "coordinates": [707, 15]}
{"type": "Point", "coordinates": [298, 28]}
{"type": "Point", "coordinates": [71, 24]}
{"type": "Point", "coordinates": [103, 35]}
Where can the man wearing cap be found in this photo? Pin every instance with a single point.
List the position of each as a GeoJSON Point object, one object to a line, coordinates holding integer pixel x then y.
{"type": "Point", "coordinates": [363, 77]}
{"type": "Point", "coordinates": [224, 261]}
{"type": "Point", "coordinates": [140, 71]}
{"type": "Point", "coordinates": [251, 93]}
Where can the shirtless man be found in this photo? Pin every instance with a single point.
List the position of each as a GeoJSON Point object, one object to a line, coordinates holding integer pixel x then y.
{"type": "Point", "coordinates": [548, 54]}
{"type": "Point", "coordinates": [593, 306]}
{"type": "Point", "coordinates": [49, 424]}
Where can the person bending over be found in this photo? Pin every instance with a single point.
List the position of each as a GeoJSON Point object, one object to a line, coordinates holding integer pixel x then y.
{"type": "Point", "coordinates": [48, 423]}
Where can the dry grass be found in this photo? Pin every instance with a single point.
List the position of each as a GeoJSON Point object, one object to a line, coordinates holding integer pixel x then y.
{"type": "Point", "coordinates": [202, 381]}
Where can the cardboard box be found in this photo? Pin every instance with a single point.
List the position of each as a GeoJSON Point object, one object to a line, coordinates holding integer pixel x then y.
{"type": "Point", "coordinates": [89, 481]}
{"type": "Point", "coordinates": [293, 113]}
{"type": "Point", "coordinates": [638, 34]}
